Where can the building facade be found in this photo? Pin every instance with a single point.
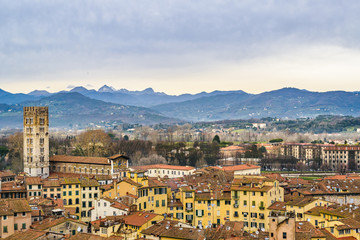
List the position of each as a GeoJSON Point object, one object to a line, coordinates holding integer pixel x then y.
{"type": "Point", "coordinates": [36, 141]}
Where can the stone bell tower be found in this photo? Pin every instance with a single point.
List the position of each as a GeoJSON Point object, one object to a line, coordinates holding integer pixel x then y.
{"type": "Point", "coordinates": [36, 141]}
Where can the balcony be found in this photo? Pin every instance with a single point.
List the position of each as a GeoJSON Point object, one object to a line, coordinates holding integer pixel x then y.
{"type": "Point", "coordinates": [262, 208]}
{"type": "Point", "coordinates": [188, 209]}
{"type": "Point", "coordinates": [236, 205]}
{"type": "Point", "coordinates": [236, 197]}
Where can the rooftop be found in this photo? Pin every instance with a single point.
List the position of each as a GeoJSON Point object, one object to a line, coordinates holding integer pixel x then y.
{"type": "Point", "coordinates": [79, 159]}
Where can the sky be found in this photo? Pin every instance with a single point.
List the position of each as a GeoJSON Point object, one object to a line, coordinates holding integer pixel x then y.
{"type": "Point", "coordinates": [182, 46]}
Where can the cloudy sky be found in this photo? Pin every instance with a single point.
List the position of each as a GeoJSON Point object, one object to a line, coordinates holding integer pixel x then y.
{"type": "Point", "coordinates": [180, 46]}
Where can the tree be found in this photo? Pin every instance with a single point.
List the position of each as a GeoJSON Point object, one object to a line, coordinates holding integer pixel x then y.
{"type": "Point", "coordinates": [216, 139]}
{"type": "Point", "coordinates": [15, 143]}
{"type": "Point", "coordinates": [276, 140]}
{"type": "Point", "coordinates": [94, 143]}
{"type": "Point", "coordinates": [152, 159]}
{"type": "Point", "coordinates": [3, 151]}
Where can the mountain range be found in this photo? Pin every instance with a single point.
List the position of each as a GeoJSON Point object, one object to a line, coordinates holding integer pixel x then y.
{"type": "Point", "coordinates": [81, 106]}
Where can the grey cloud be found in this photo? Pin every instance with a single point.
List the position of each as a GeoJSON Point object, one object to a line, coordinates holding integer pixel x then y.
{"type": "Point", "coordinates": [60, 36]}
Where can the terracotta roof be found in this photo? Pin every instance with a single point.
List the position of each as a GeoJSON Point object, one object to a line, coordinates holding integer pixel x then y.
{"type": "Point", "coordinates": [70, 180]}
{"type": "Point", "coordinates": [342, 148]}
{"type": "Point", "coordinates": [116, 204]}
{"type": "Point", "coordinates": [7, 173]}
{"type": "Point", "coordinates": [168, 229]}
{"type": "Point", "coordinates": [12, 187]}
{"type": "Point", "coordinates": [349, 223]}
{"type": "Point", "coordinates": [11, 206]}
{"type": "Point", "coordinates": [280, 206]}
{"type": "Point", "coordinates": [304, 230]}
{"type": "Point", "coordinates": [30, 234]}
{"type": "Point", "coordinates": [86, 182]}
{"type": "Point", "coordinates": [132, 195]}
{"type": "Point", "coordinates": [154, 182]}
{"type": "Point", "coordinates": [50, 222]}
{"type": "Point", "coordinates": [139, 218]}
{"type": "Point", "coordinates": [240, 167]}
{"type": "Point", "coordinates": [78, 159]}
{"type": "Point", "coordinates": [51, 183]}
{"type": "Point", "coordinates": [33, 181]}
{"type": "Point", "coordinates": [301, 201]}
{"type": "Point", "coordinates": [128, 180]}
{"type": "Point", "coordinates": [118, 156]}
{"type": "Point", "coordinates": [164, 166]}
{"type": "Point", "coordinates": [89, 236]}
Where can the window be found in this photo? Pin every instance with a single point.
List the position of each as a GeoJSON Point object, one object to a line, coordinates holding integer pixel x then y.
{"type": "Point", "coordinates": [245, 203]}
{"type": "Point", "coordinates": [163, 203]}
{"type": "Point", "coordinates": [84, 204]}
{"type": "Point", "coordinates": [90, 203]}
{"type": "Point", "coordinates": [23, 214]}
{"type": "Point", "coordinates": [24, 226]}
{"type": "Point", "coordinates": [157, 203]}
{"type": "Point", "coordinates": [15, 226]}
{"type": "Point", "coordinates": [77, 193]}
{"type": "Point", "coordinates": [284, 235]}
{"type": "Point", "coordinates": [4, 217]}
{"type": "Point", "coordinates": [5, 230]}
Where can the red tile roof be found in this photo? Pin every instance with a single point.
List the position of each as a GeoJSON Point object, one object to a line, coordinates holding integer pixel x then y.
{"type": "Point", "coordinates": [240, 167]}
{"type": "Point", "coordinates": [78, 159]}
{"type": "Point", "coordinates": [164, 166]}
{"type": "Point", "coordinates": [30, 234]}
{"type": "Point", "coordinates": [33, 181]}
{"type": "Point", "coordinates": [139, 218]}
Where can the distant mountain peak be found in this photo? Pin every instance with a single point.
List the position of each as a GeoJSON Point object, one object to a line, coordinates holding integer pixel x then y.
{"type": "Point", "coordinates": [79, 89]}
{"type": "Point", "coordinates": [148, 90]}
{"type": "Point", "coordinates": [106, 88]}
{"type": "Point", "coordinates": [39, 93]}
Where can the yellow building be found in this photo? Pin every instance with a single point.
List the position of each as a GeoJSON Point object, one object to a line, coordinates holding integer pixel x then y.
{"type": "Point", "coordinates": [121, 188]}
{"type": "Point", "coordinates": [71, 194]}
{"type": "Point", "coordinates": [300, 205]}
{"type": "Point", "coordinates": [139, 221]}
{"type": "Point", "coordinates": [187, 197]}
{"type": "Point", "coordinates": [212, 208]}
{"type": "Point", "coordinates": [90, 190]}
{"type": "Point", "coordinates": [251, 196]}
{"type": "Point", "coordinates": [342, 228]}
{"type": "Point", "coordinates": [153, 196]}
{"type": "Point", "coordinates": [52, 188]}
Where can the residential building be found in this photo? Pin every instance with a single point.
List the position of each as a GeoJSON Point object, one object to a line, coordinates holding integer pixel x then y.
{"type": "Point", "coordinates": [90, 192]}
{"type": "Point", "coordinates": [251, 196]}
{"type": "Point", "coordinates": [341, 158]}
{"type": "Point", "coordinates": [33, 186]}
{"type": "Point", "coordinates": [162, 170]}
{"type": "Point", "coordinates": [105, 207]}
{"type": "Point", "coordinates": [15, 215]}
{"type": "Point", "coordinates": [71, 195]}
{"type": "Point", "coordinates": [51, 188]}
{"type": "Point", "coordinates": [153, 196]}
